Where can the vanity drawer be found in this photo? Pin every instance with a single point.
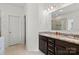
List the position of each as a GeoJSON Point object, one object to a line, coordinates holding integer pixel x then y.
{"type": "Point", "coordinates": [51, 44]}
{"type": "Point", "coordinates": [51, 50]}
{"type": "Point", "coordinates": [50, 40]}
{"type": "Point", "coordinates": [50, 53]}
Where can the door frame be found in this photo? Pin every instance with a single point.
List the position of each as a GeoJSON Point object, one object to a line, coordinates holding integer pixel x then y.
{"type": "Point", "coordinates": [24, 30]}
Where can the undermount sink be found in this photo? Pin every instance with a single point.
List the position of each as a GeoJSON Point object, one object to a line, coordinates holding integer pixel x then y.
{"type": "Point", "coordinates": [72, 36]}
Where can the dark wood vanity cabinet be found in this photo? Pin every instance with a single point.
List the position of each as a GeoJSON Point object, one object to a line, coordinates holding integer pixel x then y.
{"type": "Point", "coordinates": [61, 48]}
{"type": "Point", "coordinates": [46, 45]}
{"type": "Point", "coordinates": [52, 46]}
{"type": "Point", "coordinates": [43, 44]}
{"type": "Point", "coordinates": [66, 48]}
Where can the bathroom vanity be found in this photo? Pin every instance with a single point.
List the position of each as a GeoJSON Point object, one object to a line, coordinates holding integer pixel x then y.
{"type": "Point", "coordinates": [58, 44]}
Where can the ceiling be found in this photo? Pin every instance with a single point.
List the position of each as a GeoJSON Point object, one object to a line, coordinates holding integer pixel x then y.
{"type": "Point", "coordinates": [45, 5]}
{"type": "Point", "coordinates": [13, 4]}
{"type": "Point", "coordinates": [54, 5]}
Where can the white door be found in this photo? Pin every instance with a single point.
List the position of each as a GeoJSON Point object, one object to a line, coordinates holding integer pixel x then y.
{"type": "Point", "coordinates": [14, 30]}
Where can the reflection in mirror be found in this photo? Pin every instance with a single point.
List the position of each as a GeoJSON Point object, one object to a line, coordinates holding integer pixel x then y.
{"type": "Point", "coordinates": [62, 24]}
{"type": "Point", "coordinates": [70, 24]}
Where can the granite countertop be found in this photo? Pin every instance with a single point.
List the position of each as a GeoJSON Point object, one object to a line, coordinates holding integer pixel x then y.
{"type": "Point", "coordinates": [60, 37]}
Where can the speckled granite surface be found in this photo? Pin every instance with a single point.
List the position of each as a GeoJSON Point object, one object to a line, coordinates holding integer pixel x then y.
{"type": "Point", "coordinates": [60, 37]}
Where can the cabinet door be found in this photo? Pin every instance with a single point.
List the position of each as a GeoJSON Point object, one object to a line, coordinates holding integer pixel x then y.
{"type": "Point", "coordinates": [61, 50]}
{"type": "Point", "coordinates": [43, 44]}
{"type": "Point", "coordinates": [63, 47]}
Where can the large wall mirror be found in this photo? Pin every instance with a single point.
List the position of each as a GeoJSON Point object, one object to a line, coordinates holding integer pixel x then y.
{"type": "Point", "coordinates": [67, 20]}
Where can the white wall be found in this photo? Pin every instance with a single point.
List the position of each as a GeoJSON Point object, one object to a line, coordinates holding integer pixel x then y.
{"type": "Point", "coordinates": [32, 27]}
{"type": "Point", "coordinates": [36, 21]}
{"type": "Point", "coordinates": [5, 11]}
{"type": "Point", "coordinates": [44, 18]}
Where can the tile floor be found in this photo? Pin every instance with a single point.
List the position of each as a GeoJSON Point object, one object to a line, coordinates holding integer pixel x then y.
{"type": "Point", "coordinates": [19, 49]}
{"type": "Point", "coordinates": [34, 53]}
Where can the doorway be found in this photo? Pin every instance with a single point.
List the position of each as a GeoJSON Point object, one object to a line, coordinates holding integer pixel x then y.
{"type": "Point", "coordinates": [16, 35]}
{"type": "Point", "coordinates": [14, 26]}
